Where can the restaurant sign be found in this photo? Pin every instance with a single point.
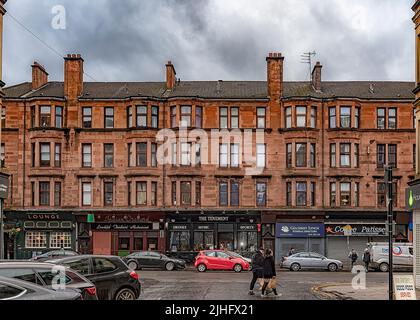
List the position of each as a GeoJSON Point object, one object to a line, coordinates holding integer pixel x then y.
{"type": "Point", "coordinates": [355, 230]}
{"type": "Point", "coordinates": [121, 226]}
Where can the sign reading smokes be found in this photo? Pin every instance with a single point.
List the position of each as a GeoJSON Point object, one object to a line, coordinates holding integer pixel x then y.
{"type": "Point", "coordinates": [355, 230]}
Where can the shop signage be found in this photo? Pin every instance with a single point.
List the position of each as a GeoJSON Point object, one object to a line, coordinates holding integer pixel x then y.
{"type": "Point", "coordinates": [213, 218]}
{"type": "Point", "coordinates": [178, 227]}
{"type": "Point", "coordinates": [404, 288]}
{"type": "Point", "coordinates": [121, 226]}
{"type": "Point", "coordinates": [43, 216]}
{"type": "Point", "coordinates": [4, 186]}
{"type": "Point", "coordinates": [247, 227]}
{"type": "Point", "coordinates": [203, 227]}
{"type": "Point", "coordinates": [355, 230]}
{"type": "Point", "coordinates": [412, 197]}
{"type": "Point", "coordinates": [299, 230]}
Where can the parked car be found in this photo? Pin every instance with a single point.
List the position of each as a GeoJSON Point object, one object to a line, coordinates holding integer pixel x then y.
{"type": "Point", "coordinates": [54, 254]}
{"type": "Point", "coordinates": [113, 279]}
{"type": "Point", "coordinates": [15, 289]}
{"type": "Point", "coordinates": [219, 260]}
{"type": "Point", "coordinates": [379, 255]}
{"type": "Point", "coordinates": [151, 259]}
{"type": "Point", "coordinates": [43, 274]}
{"type": "Point", "coordinates": [310, 260]}
{"type": "Point", "coordinates": [237, 255]}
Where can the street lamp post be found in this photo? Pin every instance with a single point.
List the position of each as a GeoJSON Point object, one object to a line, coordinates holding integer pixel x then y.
{"type": "Point", "coordinates": [4, 188]}
{"type": "Point", "coordinates": [390, 216]}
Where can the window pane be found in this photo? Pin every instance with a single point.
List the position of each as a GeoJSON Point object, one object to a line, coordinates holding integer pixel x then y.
{"type": "Point", "coordinates": [223, 194]}
{"type": "Point", "coordinates": [141, 116]}
{"type": "Point", "coordinates": [223, 155]}
{"type": "Point", "coordinates": [234, 155]}
{"type": "Point", "coordinates": [332, 117]}
{"type": "Point", "coordinates": [260, 155]}
{"type": "Point", "coordinates": [141, 193]}
{"type": "Point", "coordinates": [288, 117]}
{"type": "Point", "coordinates": [234, 194]}
{"type": "Point", "coordinates": [186, 193]}
{"type": "Point", "coordinates": [301, 193]}
{"type": "Point", "coordinates": [301, 116]}
{"type": "Point", "coordinates": [261, 194]}
{"type": "Point", "coordinates": [87, 194]}
{"type": "Point", "coordinates": [301, 155]}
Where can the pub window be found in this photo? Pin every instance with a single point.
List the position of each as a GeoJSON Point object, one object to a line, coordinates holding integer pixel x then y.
{"type": "Point", "coordinates": [357, 117]}
{"type": "Point", "coordinates": [288, 117]}
{"type": "Point", "coordinates": [333, 155]}
{"type": "Point", "coordinates": [289, 194]}
{"type": "Point", "coordinates": [223, 193]}
{"type": "Point", "coordinates": [109, 117]}
{"type": "Point", "coordinates": [261, 155]}
{"type": "Point", "coordinates": [380, 155]}
{"type": "Point", "coordinates": [186, 154]}
{"type": "Point", "coordinates": [301, 116]}
{"type": "Point", "coordinates": [57, 194]}
{"type": "Point", "coordinates": [129, 117]}
{"type": "Point", "coordinates": [153, 154]}
{"type": "Point", "coordinates": [301, 193]}
{"type": "Point", "coordinates": [155, 116]}
{"type": "Point", "coordinates": [57, 156]}
{"type": "Point", "coordinates": [197, 193]}
{"type": "Point", "coordinates": [186, 193]}
{"type": "Point", "coordinates": [108, 193]}
{"type": "Point", "coordinates": [197, 154]}
{"type": "Point", "coordinates": [223, 122]}
{"type": "Point", "coordinates": [45, 116]}
{"type": "Point", "coordinates": [356, 155]}
{"type": "Point", "coordinates": [185, 116]}
{"type": "Point", "coordinates": [86, 193]}
{"type": "Point", "coordinates": [288, 155]}
{"type": "Point", "coordinates": [60, 240]}
{"type": "Point", "coordinates": [33, 116]}
{"type": "Point", "coordinates": [345, 194]}
{"type": "Point", "coordinates": [86, 155]}
{"type": "Point", "coordinates": [129, 192]}
{"type": "Point", "coordinates": [33, 153]}
{"type": "Point", "coordinates": [2, 156]}
{"type": "Point", "coordinates": [223, 155]}
{"type": "Point", "coordinates": [153, 195]}
{"type": "Point", "coordinates": [141, 150]}
{"type": "Point", "coordinates": [108, 155]}
{"type": "Point", "coordinates": [141, 193]}
{"type": "Point", "coordinates": [261, 194]}
{"type": "Point", "coordinates": [356, 194]}
{"type": "Point", "coordinates": [345, 154]}
{"type": "Point", "coordinates": [44, 193]}
{"type": "Point", "coordinates": [45, 154]}
{"type": "Point", "coordinates": [129, 153]}
{"type": "Point", "coordinates": [301, 155]}
{"type": "Point", "coordinates": [234, 155]}
{"type": "Point", "coordinates": [392, 118]}
{"type": "Point", "coordinates": [33, 193]}
{"type": "Point", "coordinates": [234, 194]}
{"type": "Point", "coordinates": [35, 239]}
{"type": "Point", "coordinates": [58, 117]}
{"type": "Point", "coordinates": [392, 155]}
{"type": "Point", "coordinates": [198, 117]}
{"type": "Point", "coordinates": [174, 193]}
{"type": "Point", "coordinates": [313, 194]}
{"type": "Point", "coordinates": [174, 154]}
{"type": "Point", "coordinates": [173, 116]}
{"type": "Point", "coordinates": [260, 117]}
{"type": "Point", "coordinates": [380, 118]}
{"type": "Point", "coordinates": [234, 117]}
{"type": "Point", "coordinates": [313, 117]}
{"type": "Point", "coordinates": [345, 114]}
{"type": "Point", "coordinates": [333, 194]}
{"type": "Point", "coordinates": [332, 117]}
{"type": "Point", "coordinates": [87, 117]}
{"type": "Point", "coordinates": [312, 155]}
{"type": "Point", "coordinates": [141, 114]}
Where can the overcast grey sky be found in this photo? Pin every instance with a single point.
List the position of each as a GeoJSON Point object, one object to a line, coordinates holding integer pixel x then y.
{"type": "Point", "coordinates": [130, 40]}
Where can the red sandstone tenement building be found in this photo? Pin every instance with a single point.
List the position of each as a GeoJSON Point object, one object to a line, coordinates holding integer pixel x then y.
{"type": "Point", "coordinates": [78, 149]}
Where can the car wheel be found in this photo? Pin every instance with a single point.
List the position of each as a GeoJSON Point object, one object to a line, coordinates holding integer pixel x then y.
{"type": "Point", "coordinates": [201, 267]}
{"type": "Point", "coordinates": [170, 266]}
{"type": "Point", "coordinates": [384, 267]}
{"type": "Point", "coordinates": [295, 267]}
{"type": "Point", "coordinates": [133, 265]}
{"type": "Point", "coordinates": [332, 267]}
{"type": "Point", "coordinates": [125, 294]}
{"type": "Point", "coordinates": [237, 268]}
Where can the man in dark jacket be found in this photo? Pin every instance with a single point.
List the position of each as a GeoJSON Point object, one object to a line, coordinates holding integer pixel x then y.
{"type": "Point", "coordinates": [257, 268]}
{"type": "Point", "coordinates": [366, 259]}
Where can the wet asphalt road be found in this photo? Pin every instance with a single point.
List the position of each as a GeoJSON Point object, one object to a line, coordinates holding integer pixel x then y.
{"type": "Point", "coordinates": [221, 285]}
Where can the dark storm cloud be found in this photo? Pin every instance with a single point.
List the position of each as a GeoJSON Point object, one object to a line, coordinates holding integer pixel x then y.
{"type": "Point", "coordinates": [131, 40]}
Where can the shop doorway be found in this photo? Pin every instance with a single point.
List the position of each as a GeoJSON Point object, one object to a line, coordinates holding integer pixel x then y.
{"type": "Point", "coordinates": [152, 244]}
{"type": "Point", "coordinates": [226, 240]}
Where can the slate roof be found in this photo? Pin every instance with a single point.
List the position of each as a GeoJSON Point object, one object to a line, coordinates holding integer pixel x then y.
{"type": "Point", "coordinates": [386, 90]}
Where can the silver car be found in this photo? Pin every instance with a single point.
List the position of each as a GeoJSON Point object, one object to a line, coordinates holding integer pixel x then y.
{"type": "Point", "coordinates": [310, 260]}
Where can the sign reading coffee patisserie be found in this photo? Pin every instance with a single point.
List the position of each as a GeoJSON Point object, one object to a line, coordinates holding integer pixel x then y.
{"type": "Point", "coordinates": [356, 229]}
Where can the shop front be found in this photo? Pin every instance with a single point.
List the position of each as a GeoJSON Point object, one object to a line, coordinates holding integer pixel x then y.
{"type": "Point", "coordinates": [301, 236]}
{"type": "Point", "coordinates": [195, 232]}
{"type": "Point", "coordinates": [33, 233]}
{"type": "Point", "coordinates": [342, 237]}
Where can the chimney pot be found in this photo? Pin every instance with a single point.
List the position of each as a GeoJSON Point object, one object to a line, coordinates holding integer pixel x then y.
{"type": "Point", "coordinates": [170, 76]}
{"type": "Point", "coordinates": [73, 76]}
{"type": "Point", "coordinates": [275, 75]}
{"type": "Point", "coordinates": [316, 77]}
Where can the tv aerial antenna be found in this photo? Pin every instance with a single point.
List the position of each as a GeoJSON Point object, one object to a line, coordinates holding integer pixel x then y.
{"type": "Point", "coordinates": [306, 57]}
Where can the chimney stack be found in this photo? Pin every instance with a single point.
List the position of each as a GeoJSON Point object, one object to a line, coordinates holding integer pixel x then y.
{"type": "Point", "coordinates": [170, 76]}
{"type": "Point", "coordinates": [39, 76]}
{"type": "Point", "coordinates": [73, 76]}
{"type": "Point", "coordinates": [275, 75]}
{"type": "Point", "coordinates": [316, 76]}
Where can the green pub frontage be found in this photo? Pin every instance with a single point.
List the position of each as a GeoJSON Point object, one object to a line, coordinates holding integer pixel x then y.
{"type": "Point", "coordinates": [413, 205]}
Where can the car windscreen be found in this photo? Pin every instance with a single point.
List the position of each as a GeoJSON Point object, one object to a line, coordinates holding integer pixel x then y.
{"type": "Point", "coordinates": [26, 274]}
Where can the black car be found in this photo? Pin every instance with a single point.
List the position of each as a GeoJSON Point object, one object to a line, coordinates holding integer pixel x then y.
{"type": "Point", "coordinates": [151, 259]}
{"type": "Point", "coordinates": [15, 289]}
{"type": "Point", "coordinates": [44, 274]}
{"type": "Point", "coordinates": [113, 279]}
{"type": "Point", "coordinates": [53, 254]}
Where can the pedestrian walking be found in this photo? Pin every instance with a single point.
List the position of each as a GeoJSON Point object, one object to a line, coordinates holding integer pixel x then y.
{"type": "Point", "coordinates": [269, 272]}
{"type": "Point", "coordinates": [257, 268]}
{"type": "Point", "coordinates": [353, 256]}
{"type": "Point", "coordinates": [366, 259]}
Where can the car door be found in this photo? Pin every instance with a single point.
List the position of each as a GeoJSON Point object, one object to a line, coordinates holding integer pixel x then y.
{"type": "Point", "coordinates": [317, 261]}
{"type": "Point", "coordinates": [223, 261]}
{"type": "Point", "coordinates": [211, 259]}
{"type": "Point", "coordinates": [154, 260]}
{"type": "Point", "coordinates": [103, 277]}
{"type": "Point", "coordinates": [303, 259]}
{"type": "Point", "coordinates": [141, 258]}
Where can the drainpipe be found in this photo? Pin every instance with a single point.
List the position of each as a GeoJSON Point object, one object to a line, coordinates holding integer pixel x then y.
{"type": "Point", "coordinates": [24, 155]}
{"type": "Point", "coordinates": [323, 154]}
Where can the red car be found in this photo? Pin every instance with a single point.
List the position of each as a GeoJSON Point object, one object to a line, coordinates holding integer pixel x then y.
{"type": "Point", "coordinates": [219, 260]}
